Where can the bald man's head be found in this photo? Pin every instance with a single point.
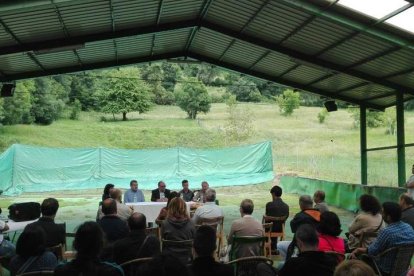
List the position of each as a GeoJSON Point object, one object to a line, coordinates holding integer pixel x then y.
{"type": "Point", "coordinates": [116, 194]}
{"type": "Point", "coordinates": [137, 221]}
{"type": "Point", "coordinates": [109, 207]}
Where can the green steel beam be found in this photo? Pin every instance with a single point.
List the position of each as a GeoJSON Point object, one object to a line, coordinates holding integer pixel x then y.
{"type": "Point", "coordinates": [363, 144]}
{"type": "Point", "coordinates": [400, 139]}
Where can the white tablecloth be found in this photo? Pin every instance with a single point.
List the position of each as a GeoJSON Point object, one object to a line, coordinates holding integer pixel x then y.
{"type": "Point", "coordinates": [17, 226]}
{"type": "Point", "coordinates": [152, 209]}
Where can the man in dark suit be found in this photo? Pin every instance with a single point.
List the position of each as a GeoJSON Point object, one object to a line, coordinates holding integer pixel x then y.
{"type": "Point", "coordinates": [113, 227]}
{"type": "Point", "coordinates": [277, 208]}
{"type": "Point", "coordinates": [137, 244]}
{"type": "Point", "coordinates": [204, 247]}
{"type": "Point", "coordinates": [161, 194]}
{"type": "Point", "coordinates": [55, 233]}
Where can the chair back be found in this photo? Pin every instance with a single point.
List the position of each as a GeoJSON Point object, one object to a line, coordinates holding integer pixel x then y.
{"type": "Point", "coordinates": [338, 257]}
{"type": "Point", "coordinates": [217, 224]}
{"type": "Point", "coordinates": [276, 221]}
{"type": "Point", "coordinates": [38, 273]}
{"type": "Point", "coordinates": [247, 246]}
{"type": "Point", "coordinates": [182, 249]}
{"type": "Point", "coordinates": [57, 250]}
{"type": "Point", "coordinates": [131, 268]}
{"type": "Point", "coordinates": [267, 228]}
{"type": "Point", "coordinates": [402, 258]}
{"type": "Point", "coordinates": [247, 266]}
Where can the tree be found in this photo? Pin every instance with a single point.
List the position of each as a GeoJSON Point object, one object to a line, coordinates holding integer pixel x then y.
{"type": "Point", "coordinates": [245, 90]}
{"type": "Point", "coordinates": [172, 73]}
{"type": "Point", "coordinates": [193, 98]}
{"type": "Point", "coordinates": [84, 88]}
{"type": "Point", "coordinates": [288, 102]}
{"type": "Point", "coordinates": [124, 92]}
{"type": "Point", "coordinates": [16, 109]}
{"type": "Point", "coordinates": [154, 75]}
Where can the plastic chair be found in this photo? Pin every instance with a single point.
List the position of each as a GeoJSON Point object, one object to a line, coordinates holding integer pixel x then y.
{"type": "Point", "coordinates": [247, 266]}
{"type": "Point", "coordinates": [267, 227]}
{"type": "Point", "coordinates": [217, 224]}
{"type": "Point", "coordinates": [182, 249]}
{"type": "Point", "coordinates": [131, 267]}
{"type": "Point", "coordinates": [242, 245]}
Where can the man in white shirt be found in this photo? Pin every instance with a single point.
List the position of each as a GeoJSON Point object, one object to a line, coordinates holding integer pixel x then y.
{"type": "Point", "coordinates": [209, 209]}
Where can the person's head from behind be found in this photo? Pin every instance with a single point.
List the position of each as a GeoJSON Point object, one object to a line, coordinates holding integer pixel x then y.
{"type": "Point", "coordinates": [137, 221]}
{"type": "Point", "coordinates": [319, 196]}
{"type": "Point", "coordinates": [109, 207]}
{"type": "Point", "coordinates": [305, 202]}
{"type": "Point", "coordinates": [49, 207]}
{"type": "Point", "coordinates": [391, 212]}
{"type": "Point", "coordinates": [177, 209]}
{"type": "Point", "coordinates": [171, 196]}
{"type": "Point", "coordinates": [246, 207]}
{"type": "Point", "coordinates": [210, 195]}
{"type": "Point", "coordinates": [276, 192]}
{"type": "Point", "coordinates": [108, 188]}
{"type": "Point", "coordinates": [369, 204]}
{"type": "Point", "coordinates": [354, 268]}
{"type": "Point", "coordinates": [116, 194]}
{"type": "Point", "coordinates": [133, 184]}
{"type": "Point", "coordinates": [406, 201]}
{"type": "Point", "coordinates": [89, 240]}
{"type": "Point", "coordinates": [161, 186]}
{"type": "Point", "coordinates": [32, 242]}
{"type": "Point", "coordinates": [329, 224]}
{"type": "Point", "coordinates": [307, 238]}
{"type": "Point", "coordinates": [204, 186]}
{"type": "Point", "coordinates": [205, 241]}
{"type": "Point", "coordinates": [185, 184]}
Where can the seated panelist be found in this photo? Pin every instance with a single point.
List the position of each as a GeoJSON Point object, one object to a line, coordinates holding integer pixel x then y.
{"type": "Point", "coordinates": [160, 194]}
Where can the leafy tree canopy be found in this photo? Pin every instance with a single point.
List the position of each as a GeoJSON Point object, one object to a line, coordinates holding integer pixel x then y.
{"type": "Point", "coordinates": [193, 98]}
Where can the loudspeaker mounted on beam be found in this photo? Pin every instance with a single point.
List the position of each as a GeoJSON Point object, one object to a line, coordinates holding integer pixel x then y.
{"type": "Point", "coordinates": [331, 106]}
{"type": "Point", "coordinates": [7, 90]}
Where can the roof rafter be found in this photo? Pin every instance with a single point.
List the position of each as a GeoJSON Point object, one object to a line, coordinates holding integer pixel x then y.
{"type": "Point", "coordinates": [111, 10]}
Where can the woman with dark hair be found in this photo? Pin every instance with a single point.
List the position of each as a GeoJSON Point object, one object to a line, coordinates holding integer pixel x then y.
{"type": "Point", "coordinates": [88, 243]}
{"type": "Point", "coordinates": [163, 212]}
{"type": "Point", "coordinates": [107, 191]}
{"type": "Point", "coordinates": [329, 229]}
{"type": "Point", "coordinates": [368, 220]}
{"type": "Point", "coordinates": [31, 253]}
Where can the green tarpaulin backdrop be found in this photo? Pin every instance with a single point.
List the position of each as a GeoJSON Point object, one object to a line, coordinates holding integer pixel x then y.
{"type": "Point", "coordinates": [36, 169]}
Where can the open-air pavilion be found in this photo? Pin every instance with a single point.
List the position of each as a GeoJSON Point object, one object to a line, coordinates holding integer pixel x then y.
{"type": "Point", "coordinates": [319, 46]}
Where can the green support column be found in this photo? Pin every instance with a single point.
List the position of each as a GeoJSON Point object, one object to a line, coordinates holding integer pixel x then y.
{"type": "Point", "coordinates": [363, 144]}
{"type": "Point", "coordinates": [400, 140]}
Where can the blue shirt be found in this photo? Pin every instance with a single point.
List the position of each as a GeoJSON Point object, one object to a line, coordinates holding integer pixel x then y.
{"type": "Point", "coordinates": [130, 194]}
{"type": "Point", "coordinates": [394, 234]}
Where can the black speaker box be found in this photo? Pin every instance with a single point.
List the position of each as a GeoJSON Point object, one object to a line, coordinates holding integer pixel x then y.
{"type": "Point", "coordinates": [331, 106]}
{"type": "Point", "coordinates": [24, 211]}
{"type": "Point", "coordinates": [7, 90]}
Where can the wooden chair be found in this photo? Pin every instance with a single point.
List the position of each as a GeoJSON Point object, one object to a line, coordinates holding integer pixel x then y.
{"type": "Point", "coordinates": [183, 249]}
{"type": "Point", "coordinates": [131, 268]}
{"type": "Point", "coordinates": [247, 266]}
{"type": "Point", "coordinates": [402, 259]}
{"type": "Point", "coordinates": [267, 227]}
{"type": "Point", "coordinates": [240, 242]}
{"type": "Point", "coordinates": [276, 221]}
{"type": "Point", "coordinates": [217, 224]}
{"type": "Point", "coordinates": [152, 231]}
{"type": "Point", "coordinates": [38, 273]}
{"type": "Point", "coordinates": [58, 250]}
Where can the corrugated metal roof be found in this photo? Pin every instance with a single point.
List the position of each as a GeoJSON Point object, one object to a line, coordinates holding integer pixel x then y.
{"type": "Point", "coordinates": [310, 45]}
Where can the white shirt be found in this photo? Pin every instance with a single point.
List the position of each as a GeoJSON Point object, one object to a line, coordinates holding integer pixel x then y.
{"type": "Point", "coordinates": [2, 225]}
{"type": "Point", "coordinates": [208, 210]}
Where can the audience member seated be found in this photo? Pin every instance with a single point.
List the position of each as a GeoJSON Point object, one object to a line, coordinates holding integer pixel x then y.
{"type": "Point", "coordinates": [160, 194]}
{"type": "Point", "coordinates": [186, 194]}
{"type": "Point", "coordinates": [276, 208]}
{"type": "Point", "coordinates": [329, 229]}
{"type": "Point", "coordinates": [368, 220]}
{"type": "Point", "coordinates": [163, 212]}
{"type": "Point", "coordinates": [209, 209]}
{"type": "Point", "coordinates": [307, 215]}
{"type": "Point", "coordinates": [204, 247]}
{"type": "Point", "coordinates": [31, 253]}
{"type": "Point", "coordinates": [319, 199]}
{"type": "Point", "coordinates": [178, 227]}
{"type": "Point", "coordinates": [107, 191]}
{"type": "Point", "coordinates": [407, 207]}
{"type": "Point", "coordinates": [123, 211]}
{"type": "Point", "coordinates": [395, 233]}
{"type": "Point", "coordinates": [354, 268]}
{"type": "Point", "coordinates": [200, 195]}
{"type": "Point", "coordinates": [55, 233]}
{"type": "Point", "coordinates": [164, 265]}
{"type": "Point", "coordinates": [247, 225]}
{"type": "Point", "coordinates": [7, 248]}
{"type": "Point", "coordinates": [113, 227]}
{"type": "Point", "coordinates": [88, 243]}
{"type": "Point", "coordinates": [310, 260]}
{"type": "Point", "coordinates": [133, 194]}
{"type": "Point", "coordinates": [137, 244]}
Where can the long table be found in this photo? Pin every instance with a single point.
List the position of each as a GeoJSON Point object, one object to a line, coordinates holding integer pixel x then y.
{"type": "Point", "coordinates": [16, 226]}
{"type": "Point", "coordinates": [152, 209]}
